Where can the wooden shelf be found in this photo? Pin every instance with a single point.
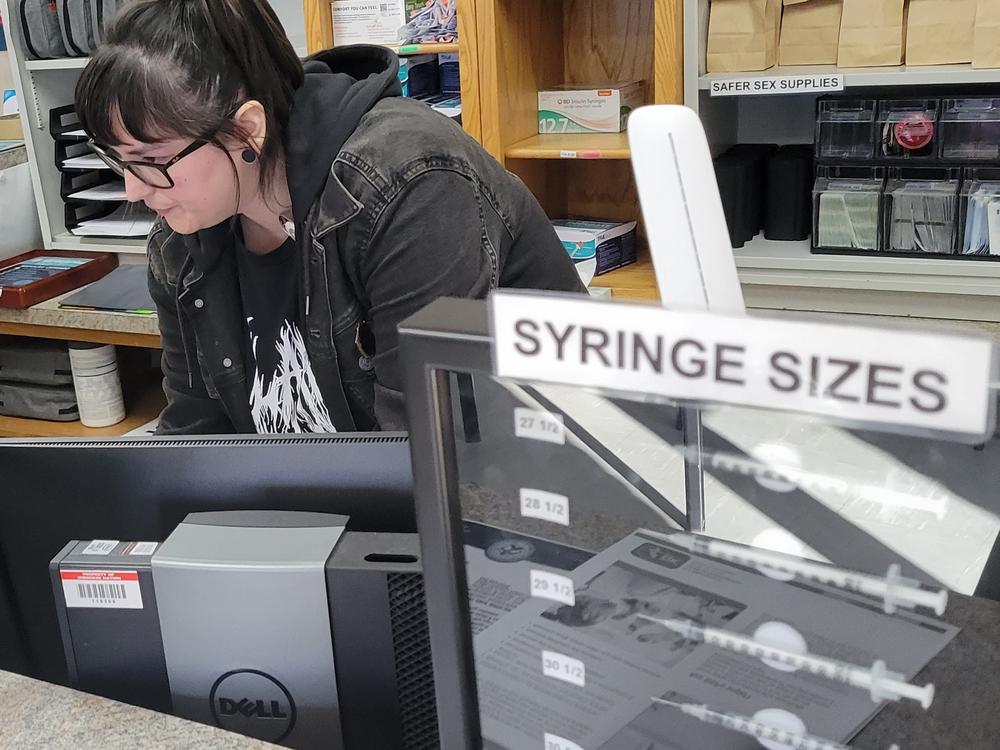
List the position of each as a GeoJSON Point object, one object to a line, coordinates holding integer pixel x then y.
{"type": "Point", "coordinates": [902, 75]}
{"type": "Point", "coordinates": [636, 281]}
{"type": "Point", "coordinates": [571, 146]}
{"type": "Point", "coordinates": [143, 406]}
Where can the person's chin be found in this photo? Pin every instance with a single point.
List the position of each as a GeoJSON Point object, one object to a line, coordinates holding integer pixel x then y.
{"type": "Point", "coordinates": [178, 222]}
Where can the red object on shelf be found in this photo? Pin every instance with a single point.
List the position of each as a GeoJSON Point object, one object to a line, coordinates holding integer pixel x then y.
{"type": "Point", "coordinates": [915, 132]}
{"type": "Point", "coordinates": [28, 279]}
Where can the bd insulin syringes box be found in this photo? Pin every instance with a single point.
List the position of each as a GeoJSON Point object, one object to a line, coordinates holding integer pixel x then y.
{"type": "Point", "coordinates": [579, 109]}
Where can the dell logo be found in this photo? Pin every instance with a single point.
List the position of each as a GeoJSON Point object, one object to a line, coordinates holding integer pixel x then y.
{"type": "Point", "coordinates": [251, 709]}
{"type": "Point", "coordinates": [253, 703]}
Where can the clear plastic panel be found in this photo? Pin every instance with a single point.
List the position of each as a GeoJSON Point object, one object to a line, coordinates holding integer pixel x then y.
{"type": "Point", "coordinates": [811, 613]}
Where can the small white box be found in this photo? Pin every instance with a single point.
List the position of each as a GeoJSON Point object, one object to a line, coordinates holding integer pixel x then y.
{"type": "Point", "coordinates": [367, 21]}
{"type": "Point", "coordinates": [582, 109]}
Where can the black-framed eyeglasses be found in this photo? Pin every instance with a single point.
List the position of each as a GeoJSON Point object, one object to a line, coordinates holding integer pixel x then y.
{"type": "Point", "coordinates": [147, 172]}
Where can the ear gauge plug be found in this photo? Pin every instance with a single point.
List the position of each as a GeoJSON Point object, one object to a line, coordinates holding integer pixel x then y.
{"type": "Point", "coordinates": [249, 155]}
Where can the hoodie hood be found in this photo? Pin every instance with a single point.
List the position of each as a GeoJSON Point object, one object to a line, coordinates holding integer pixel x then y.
{"type": "Point", "coordinates": [340, 86]}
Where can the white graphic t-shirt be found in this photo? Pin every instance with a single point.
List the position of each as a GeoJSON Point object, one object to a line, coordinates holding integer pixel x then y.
{"type": "Point", "coordinates": [284, 394]}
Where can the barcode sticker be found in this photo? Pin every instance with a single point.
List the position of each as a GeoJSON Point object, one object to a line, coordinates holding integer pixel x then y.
{"type": "Point", "coordinates": [143, 548]}
{"type": "Point", "coordinates": [555, 742]}
{"type": "Point", "coordinates": [545, 506]}
{"type": "Point", "coordinates": [552, 586]}
{"type": "Point", "coordinates": [100, 547]}
{"type": "Point", "coordinates": [539, 425]}
{"type": "Point", "coordinates": [567, 154]}
{"type": "Point", "coordinates": [564, 668]}
{"type": "Point", "coordinates": [102, 589]}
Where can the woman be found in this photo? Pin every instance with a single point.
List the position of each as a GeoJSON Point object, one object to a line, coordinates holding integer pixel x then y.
{"type": "Point", "coordinates": [304, 212]}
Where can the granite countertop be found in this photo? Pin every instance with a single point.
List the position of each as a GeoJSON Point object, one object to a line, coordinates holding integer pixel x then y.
{"type": "Point", "coordinates": [12, 157]}
{"type": "Point", "coordinates": [41, 716]}
{"type": "Point", "coordinates": [48, 314]}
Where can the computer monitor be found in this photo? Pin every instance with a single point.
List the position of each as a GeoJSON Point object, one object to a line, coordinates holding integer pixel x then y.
{"type": "Point", "coordinates": [52, 491]}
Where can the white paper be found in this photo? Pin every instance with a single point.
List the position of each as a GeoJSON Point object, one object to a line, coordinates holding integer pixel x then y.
{"type": "Point", "coordinates": [552, 586]}
{"type": "Point", "coordinates": [994, 214]}
{"type": "Point", "coordinates": [773, 85]}
{"type": "Point", "coordinates": [875, 376]}
{"type": "Point", "coordinates": [545, 506]}
{"type": "Point", "coordinates": [87, 161]}
{"type": "Point", "coordinates": [626, 659]}
{"type": "Point", "coordinates": [110, 191]}
{"type": "Point", "coordinates": [125, 221]}
{"type": "Point", "coordinates": [539, 425]}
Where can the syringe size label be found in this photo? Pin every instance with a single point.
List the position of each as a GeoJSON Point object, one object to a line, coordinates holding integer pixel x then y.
{"type": "Point", "coordinates": [539, 425]}
{"type": "Point", "coordinates": [565, 668]}
{"type": "Point", "coordinates": [545, 506]}
{"type": "Point", "coordinates": [555, 742]}
{"type": "Point", "coordinates": [552, 586]}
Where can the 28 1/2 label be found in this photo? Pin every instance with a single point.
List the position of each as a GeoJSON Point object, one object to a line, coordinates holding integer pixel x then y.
{"type": "Point", "coordinates": [545, 506]}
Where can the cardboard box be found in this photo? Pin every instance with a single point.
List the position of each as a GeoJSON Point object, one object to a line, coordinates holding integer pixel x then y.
{"type": "Point", "coordinates": [871, 33]}
{"type": "Point", "coordinates": [743, 35]}
{"type": "Point", "coordinates": [986, 48]}
{"type": "Point", "coordinates": [810, 32]}
{"type": "Point", "coordinates": [597, 246]}
{"type": "Point", "coordinates": [10, 129]}
{"type": "Point", "coordinates": [940, 33]}
{"type": "Point", "coordinates": [367, 21]}
{"type": "Point", "coordinates": [586, 109]}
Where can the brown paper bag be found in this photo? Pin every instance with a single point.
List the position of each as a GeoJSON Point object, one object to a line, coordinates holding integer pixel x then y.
{"type": "Point", "coordinates": [871, 33]}
{"type": "Point", "coordinates": [743, 35]}
{"type": "Point", "coordinates": [810, 32]}
{"type": "Point", "coordinates": [940, 33]}
{"type": "Point", "coordinates": [986, 49]}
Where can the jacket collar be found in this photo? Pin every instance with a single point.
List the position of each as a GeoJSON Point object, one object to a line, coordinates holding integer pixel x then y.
{"type": "Point", "coordinates": [336, 206]}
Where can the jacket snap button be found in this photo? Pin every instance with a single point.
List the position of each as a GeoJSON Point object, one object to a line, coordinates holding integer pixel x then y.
{"type": "Point", "coordinates": [199, 303]}
{"type": "Point", "coordinates": [227, 362]}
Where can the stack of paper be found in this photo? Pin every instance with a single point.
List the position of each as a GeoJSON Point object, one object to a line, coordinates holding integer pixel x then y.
{"type": "Point", "coordinates": [87, 161]}
{"type": "Point", "coordinates": [126, 221]}
{"type": "Point", "coordinates": [110, 191]}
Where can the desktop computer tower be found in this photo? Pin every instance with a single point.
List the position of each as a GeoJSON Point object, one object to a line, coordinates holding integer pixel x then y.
{"type": "Point", "coordinates": [281, 626]}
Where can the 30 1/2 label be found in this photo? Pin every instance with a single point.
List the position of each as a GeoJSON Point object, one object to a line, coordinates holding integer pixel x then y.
{"type": "Point", "coordinates": [545, 506]}
{"type": "Point", "coordinates": [565, 668]}
{"type": "Point", "coordinates": [539, 425]}
{"type": "Point", "coordinates": [552, 586]}
{"type": "Point", "coordinates": [555, 742]}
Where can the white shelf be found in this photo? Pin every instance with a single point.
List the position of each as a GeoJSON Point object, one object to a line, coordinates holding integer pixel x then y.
{"type": "Point", "coordinates": [903, 75]}
{"type": "Point", "coordinates": [69, 241]}
{"type": "Point", "coordinates": [63, 63]}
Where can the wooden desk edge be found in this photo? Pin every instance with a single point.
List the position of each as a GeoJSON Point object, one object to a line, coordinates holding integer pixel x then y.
{"type": "Point", "coordinates": [119, 338]}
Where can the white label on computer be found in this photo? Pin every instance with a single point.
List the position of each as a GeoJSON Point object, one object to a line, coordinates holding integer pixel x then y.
{"type": "Point", "coordinates": [567, 154]}
{"type": "Point", "coordinates": [545, 506]}
{"type": "Point", "coordinates": [539, 425]}
{"type": "Point", "coordinates": [101, 589]}
{"type": "Point", "coordinates": [555, 742]}
{"type": "Point", "coordinates": [565, 668]}
{"type": "Point", "coordinates": [552, 586]}
{"type": "Point", "coordinates": [143, 548]}
{"type": "Point", "coordinates": [100, 547]}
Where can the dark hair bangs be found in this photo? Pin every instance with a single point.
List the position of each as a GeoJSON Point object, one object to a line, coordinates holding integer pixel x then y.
{"type": "Point", "coordinates": [150, 100]}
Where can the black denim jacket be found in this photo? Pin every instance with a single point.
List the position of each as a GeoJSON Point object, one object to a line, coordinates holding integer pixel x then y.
{"type": "Point", "coordinates": [412, 209]}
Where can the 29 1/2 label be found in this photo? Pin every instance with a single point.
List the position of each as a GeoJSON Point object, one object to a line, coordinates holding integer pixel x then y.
{"type": "Point", "coordinates": [565, 668]}
{"type": "Point", "coordinates": [539, 425]}
{"type": "Point", "coordinates": [545, 506]}
{"type": "Point", "coordinates": [552, 586]}
{"type": "Point", "coordinates": [555, 742]}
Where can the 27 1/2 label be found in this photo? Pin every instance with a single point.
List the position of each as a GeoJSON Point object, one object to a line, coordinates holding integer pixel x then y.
{"type": "Point", "coordinates": [552, 586]}
{"type": "Point", "coordinates": [565, 668]}
{"type": "Point", "coordinates": [539, 425]}
{"type": "Point", "coordinates": [545, 506]}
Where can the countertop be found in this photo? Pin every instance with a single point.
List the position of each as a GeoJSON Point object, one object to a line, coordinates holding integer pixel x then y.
{"type": "Point", "coordinates": [41, 716]}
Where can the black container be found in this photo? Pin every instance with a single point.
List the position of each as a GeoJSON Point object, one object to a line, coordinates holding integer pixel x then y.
{"type": "Point", "coordinates": [788, 205]}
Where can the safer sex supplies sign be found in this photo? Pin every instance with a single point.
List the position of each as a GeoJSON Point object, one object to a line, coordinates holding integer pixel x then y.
{"type": "Point", "coordinates": [875, 376]}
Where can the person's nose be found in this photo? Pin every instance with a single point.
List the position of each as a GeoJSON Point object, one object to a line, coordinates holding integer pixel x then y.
{"type": "Point", "coordinates": [135, 189]}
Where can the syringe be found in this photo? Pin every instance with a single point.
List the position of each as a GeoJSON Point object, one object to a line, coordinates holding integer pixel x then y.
{"type": "Point", "coordinates": [881, 683]}
{"type": "Point", "coordinates": [894, 590]}
{"type": "Point", "coordinates": [758, 729]}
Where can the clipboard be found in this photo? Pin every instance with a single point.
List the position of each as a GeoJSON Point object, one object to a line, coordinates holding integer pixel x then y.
{"type": "Point", "coordinates": [39, 275]}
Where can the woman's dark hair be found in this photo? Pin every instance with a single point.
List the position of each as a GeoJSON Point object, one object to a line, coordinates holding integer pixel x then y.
{"type": "Point", "coordinates": [181, 68]}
